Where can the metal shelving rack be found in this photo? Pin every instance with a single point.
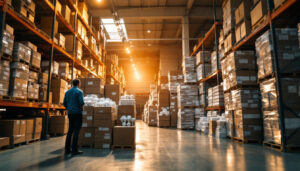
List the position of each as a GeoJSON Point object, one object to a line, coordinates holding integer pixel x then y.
{"type": "Point", "coordinates": [47, 46]}
{"type": "Point", "coordinates": [274, 18]}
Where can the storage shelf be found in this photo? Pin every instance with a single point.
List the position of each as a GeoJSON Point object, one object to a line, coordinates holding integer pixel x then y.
{"type": "Point", "coordinates": [38, 105]}
{"type": "Point", "coordinates": [214, 108]}
{"type": "Point", "coordinates": [211, 76]}
{"type": "Point", "coordinates": [208, 39]}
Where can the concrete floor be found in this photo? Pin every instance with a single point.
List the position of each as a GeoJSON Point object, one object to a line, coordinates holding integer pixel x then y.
{"type": "Point", "coordinates": [156, 149]}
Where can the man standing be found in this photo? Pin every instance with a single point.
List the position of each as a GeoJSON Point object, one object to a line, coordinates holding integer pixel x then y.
{"type": "Point", "coordinates": [73, 102]}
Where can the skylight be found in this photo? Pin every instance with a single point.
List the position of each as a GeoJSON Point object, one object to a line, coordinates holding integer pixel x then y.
{"type": "Point", "coordinates": [115, 33]}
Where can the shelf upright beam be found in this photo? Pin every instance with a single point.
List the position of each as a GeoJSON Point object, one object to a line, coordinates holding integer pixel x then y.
{"type": "Point", "coordinates": [204, 83]}
{"type": "Point", "coordinates": [277, 77]}
{"type": "Point", "coordinates": [74, 44]}
{"type": "Point", "coordinates": [216, 40]}
{"type": "Point", "coordinates": [2, 22]}
{"type": "Point", "coordinates": [46, 123]}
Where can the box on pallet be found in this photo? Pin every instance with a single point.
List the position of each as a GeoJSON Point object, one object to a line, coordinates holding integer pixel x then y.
{"type": "Point", "coordinates": [14, 129]}
{"type": "Point", "coordinates": [124, 136]}
{"type": "Point", "coordinates": [58, 124]}
{"type": "Point", "coordinates": [113, 92]}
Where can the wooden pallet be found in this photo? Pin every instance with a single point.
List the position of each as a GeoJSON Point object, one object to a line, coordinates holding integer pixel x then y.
{"type": "Point", "coordinates": [6, 57]}
{"type": "Point", "coordinates": [33, 141]}
{"type": "Point", "coordinates": [17, 144]}
{"type": "Point", "coordinates": [19, 99]}
{"type": "Point", "coordinates": [259, 23]}
{"type": "Point", "coordinates": [32, 100]}
{"type": "Point", "coordinates": [33, 68]}
{"type": "Point", "coordinates": [246, 141]}
{"type": "Point", "coordinates": [86, 146]}
{"type": "Point", "coordinates": [8, 98]}
{"type": "Point", "coordinates": [123, 147]}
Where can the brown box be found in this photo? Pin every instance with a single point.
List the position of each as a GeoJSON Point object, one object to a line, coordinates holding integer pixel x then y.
{"type": "Point", "coordinates": [164, 123]}
{"type": "Point", "coordinates": [242, 30]}
{"type": "Point", "coordinates": [278, 3]}
{"type": "Point", "coordinates": [212, 127]}
{"type": "Point", "coordinates": [88, 110]}
{"type": "Point", "coordinates": [66, 13]}
{"type": "Point", "coordinates": [105, 113]}
{"type": "Point", "coordinates": [258, 12]}
{"type": "Point", "coordinates": [46, 25]}
{"type": "Point", "coordinates": [29, 129]}
{"type": "Point", "coordinates": [164, 98]}
{"type": "Point", "coordinates": [69, 43]}
{"type": "Point", "coordinates": [126, 110]}
{"type": "Point", "coordinates": [103, 124]}
{"type": "Point", "coordinates": [124, 136]}
{"type": "Point", "coordinates": [87, 121]}
{"type": "Point", "coordinates": [113, 92]}
{"type": "Point", "coordinates": [4, 141]}
{"type": "Point", "coordinates": [43, 78]}
{"type": "Point", "coordinates": [93, 86]}
{"type": "Point", "coordinates": [243, 11]}
{"type": "Point", "coordinates": [38, 122]}
{"type": "Point", "coordinates": [58, 124]}
{"type": "Point", "coordinates": [86, 136]}
{"type": "Point", "coordinates": [9, 128]}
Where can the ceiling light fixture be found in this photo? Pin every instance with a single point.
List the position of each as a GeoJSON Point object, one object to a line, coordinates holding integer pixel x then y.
{"type": "Point", "coordinates": [128, 50]}
{"type": "Point", "coordinates": [148, 31]}
{"type": "Point", "coordinates": [99, 0]}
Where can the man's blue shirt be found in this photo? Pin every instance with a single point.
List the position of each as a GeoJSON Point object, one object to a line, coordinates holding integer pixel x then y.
{"type": "Point", "coordinates": [73, 100]}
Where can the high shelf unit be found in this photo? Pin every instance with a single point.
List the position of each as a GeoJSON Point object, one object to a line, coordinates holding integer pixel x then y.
{"type": "Point", "coordinates": [26, 30]}
{"type": "Point", "coordinates": [117, 74]}
{"type": "Point", "coordinates": [284, 16]}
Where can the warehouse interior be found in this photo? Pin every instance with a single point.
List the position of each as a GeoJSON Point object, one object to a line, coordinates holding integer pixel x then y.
{"type": "Point", "coordinates": [166, 84]}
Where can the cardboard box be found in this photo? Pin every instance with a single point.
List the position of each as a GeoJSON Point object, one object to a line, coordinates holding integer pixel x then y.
{"type": "Point", "coordinates": [4, 142]}
{"type": "Point", "coordinates": [69, 43]}
{"type": "Point", "coordinates": [258, 12]}
{"type": "Point", "coordinates": [106, 113]}
{"type": "Point", "coordinates": [87, 121]}
{"type": "Point", "coordinates": [94, 86]}
{"type": "Point", "coordinates": [242, 12]}
{"type": "Point", "coordinates": [124, 136]}
{"type": "Point", "coordinates": [66, 13]}
{"type": "Point", "coordinates": [46, 25]}
{"type": "Point", "coordinates": [163, 123]}
{"type": "Point", "coordinates": [38, 123]}
{"type": "Point", "coordinates": [43, 78]}
{"type": "Point", "coordinates": [58, 124]}
{"type": "Point", "coordinates": [126, 110]}
{"type": "Point", "coordinates": [29, 129]}
{"type": "Point", "coordinates": [86, 137]}
{"type": "Point", "coordinates": [113, 92]}
{"type": "Point", "coordinates": [242, 30]}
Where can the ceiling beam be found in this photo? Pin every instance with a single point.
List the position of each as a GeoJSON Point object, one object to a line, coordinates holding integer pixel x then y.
{"type": "Point", "coordinates": [158, 12]}
{"type": "Point", "coordinates": [189, 6]}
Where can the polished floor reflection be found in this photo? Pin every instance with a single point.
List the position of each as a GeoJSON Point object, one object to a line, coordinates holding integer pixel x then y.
{"type": "Point", "coordinates": [157, 149]}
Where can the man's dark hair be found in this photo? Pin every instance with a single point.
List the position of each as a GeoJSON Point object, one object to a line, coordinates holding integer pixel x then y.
{"type": "Point", "coordinates": [76, 82]}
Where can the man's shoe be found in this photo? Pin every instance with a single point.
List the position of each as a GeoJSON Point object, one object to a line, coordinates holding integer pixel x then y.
{"type": "Point", "coordinates": [77, 152]}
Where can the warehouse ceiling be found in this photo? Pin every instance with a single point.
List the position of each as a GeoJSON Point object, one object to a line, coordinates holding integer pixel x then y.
{"type": "Point", "coordinates": [151, 24]}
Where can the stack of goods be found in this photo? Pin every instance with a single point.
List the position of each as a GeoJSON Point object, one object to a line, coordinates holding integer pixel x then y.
{"type": "Point", "coordinates": [221, 130]}
{"type": "Point", "coordinates": [199, 112]}
{"type": "Point", "coordinates": [215, 62]}
{"type": "Point", "coordinates": [93, 86]}
{"type": "Point", "coordinates": [43, 82]}
{"type": "Point", "coordinates": [4, 142]}
{"type": "Point", "coordinates": [98, 119]}
{"type": "Point", "coordinates": [215, 96]}
{"type": "Point", "coordinates": [175, 78]}
{"type": "Point", "coordinates": [4, 77]}
{"type": "Point", "coordinates": [152, 115]}
{"type": "Point", "coordinates": [58, 125]}
{"type": "Point", "coordinates": [203, 125]}
{"type": "Point", "coordinates": [173, 109]}
{"type": "Point", "coordinates": [54, 67]}
{"type": "Point", "coordinates": [246, 114]}
{"type": "Point", "coordinates": [203, 61]}
{"type": "Point", "coordinates": [66, 13]}
{"type": "Point", "coordinates": [153, 99]}
{"type": "Point", "coordinates": [242, 20]}
{"type": "Point", "coordinates": [288, 60]}
{"type": "Point", "coordinates": [126, 107]}
{"type": "Point", "coordinates": [221, 46]}
{"type": "Point", "coordinates": [25, 8]}
{"type": "Point", "coordinates": [64, 70]}
{"type": "Point", "coordinates": [189, 72]}
{"type": "Point", "coordinates": [124, 136]}
{"type": "Point", "coordinates": [146, 113]}
{"type": "Point", "coordinates": [187, 96]}
{"type": "Point", "coordinates": [35, 63]}
{"type": "Point", "coordinates": [258, 13]}
{"type": "Point", "coordinates": [113, 92]}
{"type": "Point", "coordinates": [18, 80]}
{"type": "Point", "coordinates": [14, 129]}
{"type": "Point", "coordinates": [239, 69]}
{"type": "Point", "coordinates": [229, 6]}
{"type": "Point", "coordinates": [203, 90]}
{"type": "Point", "coordinates": [8, 40]}
{"type": "Point", "coordinates": [58, 88]}
{"type": "Point", "coordinates": [163, 115]}
{"type": "Point", "coordinates": [61, 40]}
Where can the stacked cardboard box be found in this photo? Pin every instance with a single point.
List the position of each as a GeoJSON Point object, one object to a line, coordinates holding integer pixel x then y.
{"type": "Point", "coordinates": [229, 6]}
{"type": "Point", "coordinates": [189, 72]}
{"type": "Point", "coordinates": [58, 88]}
{"type": "Point", "coordinates": [271, 115]}
{"type": "Point", "coordinates": [258, 13]}
{"type": "Point", "coordinates": [173, 109]}
{"type": "Point", "coordinates": [126, 110]}
{"type": "Point", "coordinates": [46, 26]}
{"type": "Point", "coordinates": [152, 116]}
{"type": "Point", "coordinates": [8, 40]}
{"type": "Point", "coordinates": [66, 13]}
{"type": "Point", "coordinates": [287, 49]}
{"type": "Point", "coordinates": [113, 92]}
{"type": "Point", "coordinates": [33, 129]}
{"type": "Point", "coordinates": [58, 125]}
{"type": "Point", "coordinates": [43, 81]}
{"type": "Point", "coordinates": [93, 86]}
{"type": "Point", "coordinates": [4, 77]}
{"type": "Point", "coordinates": [4, 142]}
{"type": "Point", "coordinates": [64, 70]}
{"type": "Point", "coordinates": [14, 129]}
{"type": "Point", "coordinates": [215, 96]}
{"type": "Point", "coordinates": [242, 20]}
{"type": "Point", "coordinates": [203, 70]}
{"type": "Point", "coordinates": [25, 8]}
{"type": "Point", "coordinates": [61, 40]}
{"type": "Point", "coordinates": [187, 96]}
{"type": "Point", "coordinates": [203, 57]}
{"type": "Point", "coordinates": [215, 62]}
{"type": "Point", "coordinates": [163, 115]}
{"type": "Point", "coordinates": [238, 69]}
{"type": "Point", "coordinates": [124, 136]}
{"type": "Point", "coordinates": [18, 80]}
{"type": "Point", "coordinates": [54, 67]}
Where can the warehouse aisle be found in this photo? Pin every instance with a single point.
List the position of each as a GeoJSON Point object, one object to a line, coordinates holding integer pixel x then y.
{"type": "Point", "coordinates": [157, 149]}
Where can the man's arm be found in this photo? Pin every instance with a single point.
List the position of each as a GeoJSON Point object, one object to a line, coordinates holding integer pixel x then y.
{"type": "Point", "coordinates": [81, 101]}
{"type": "Point", "coordinates": [65, 100]}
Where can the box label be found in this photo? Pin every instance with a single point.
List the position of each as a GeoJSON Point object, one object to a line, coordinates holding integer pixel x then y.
{"type": "Point", "coordinates": [88, 135]}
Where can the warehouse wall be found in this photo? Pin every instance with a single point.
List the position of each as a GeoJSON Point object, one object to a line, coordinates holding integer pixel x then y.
{"type": "Point", "coordinates": [170, 58]}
